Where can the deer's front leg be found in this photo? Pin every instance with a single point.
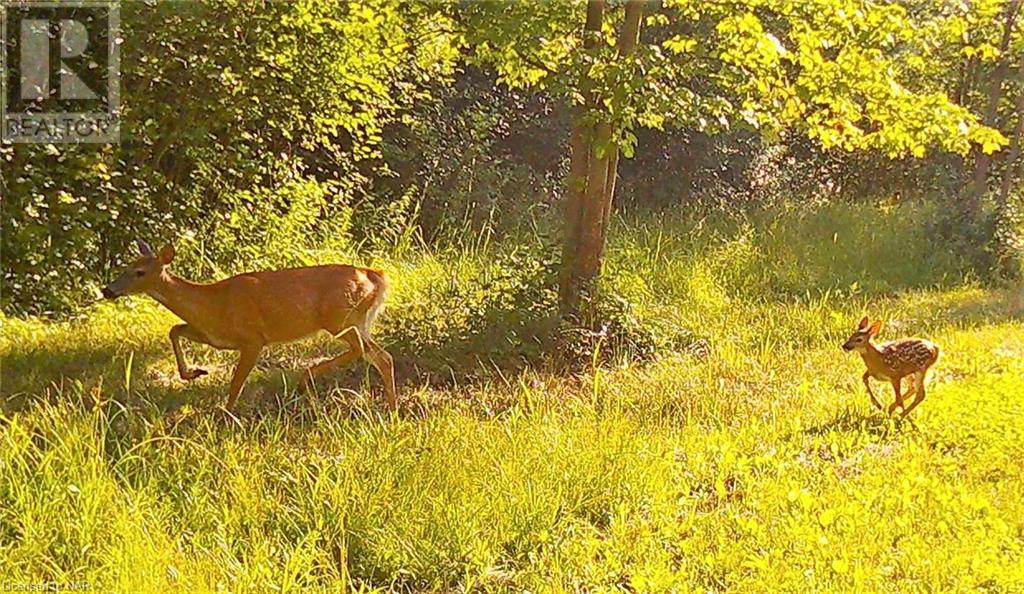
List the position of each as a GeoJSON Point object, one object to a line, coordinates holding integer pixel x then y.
{"type": "Point", "coordinates": [246, 361]}
{"type": "Point", "coordinates": [867, 384]}
{"type": "Point", "coordinates": [176, 333]}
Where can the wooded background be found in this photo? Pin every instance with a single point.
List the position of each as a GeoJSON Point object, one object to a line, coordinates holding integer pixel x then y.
{"type": "Point", "coordinates": [261, 134]}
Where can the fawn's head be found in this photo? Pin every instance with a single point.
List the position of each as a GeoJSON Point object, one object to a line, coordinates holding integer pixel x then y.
{"type": "Point", "coordinates": [142, 273]}
{"type": "Point", "coordinates": [860, 339]}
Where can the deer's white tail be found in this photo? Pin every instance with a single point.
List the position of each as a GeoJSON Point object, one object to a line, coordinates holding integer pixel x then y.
{"type": "Point", "coordinates": [377, 305]}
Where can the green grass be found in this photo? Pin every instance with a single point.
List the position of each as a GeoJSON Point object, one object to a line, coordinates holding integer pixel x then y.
{"type": "Point", "coordinates": [756, 465]}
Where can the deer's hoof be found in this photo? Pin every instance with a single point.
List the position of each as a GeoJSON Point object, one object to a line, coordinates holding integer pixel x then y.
{"type": "Point", "coordinates": [192, 374]}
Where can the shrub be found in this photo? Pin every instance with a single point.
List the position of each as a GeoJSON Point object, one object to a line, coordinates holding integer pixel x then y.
{"type": "Point", "coordinates": [482, 308]}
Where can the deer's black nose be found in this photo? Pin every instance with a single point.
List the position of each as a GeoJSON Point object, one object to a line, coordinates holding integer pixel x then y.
{"type": "Point", "coordinates": [108, 293]}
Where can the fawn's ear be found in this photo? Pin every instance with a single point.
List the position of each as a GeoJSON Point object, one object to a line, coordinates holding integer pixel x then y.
{"type": "Point", "coordinates": [166, 254]}
{"type": "Point", "coordinates": [863, 323]}
{"type": "Point", "coordinates": [873, 330]}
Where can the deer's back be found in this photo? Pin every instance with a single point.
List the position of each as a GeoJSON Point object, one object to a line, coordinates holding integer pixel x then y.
{"type": "Point", "coordinates": [291, 303]}
{"type": "Point", "coordinates": [908, 356]}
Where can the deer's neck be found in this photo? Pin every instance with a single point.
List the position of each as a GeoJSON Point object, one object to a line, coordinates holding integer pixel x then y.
{"type": "Point", "coordinates": [182, 296]}
{"type": "Point", "coordinates": [873, 357]}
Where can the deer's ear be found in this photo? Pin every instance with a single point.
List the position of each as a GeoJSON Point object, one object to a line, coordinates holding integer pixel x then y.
{"type": "Point", "coordinates": [166, 254]}
{"type": "Point", "coordinates": [874, 329]}
{"type": "Point", "coordinates": [144, 248]}
{"type": "Point", "coordinates": [863, 323]}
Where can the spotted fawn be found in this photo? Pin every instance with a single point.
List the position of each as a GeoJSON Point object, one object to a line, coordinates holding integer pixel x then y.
{"type": "Point", "coordinates": [893, 361]}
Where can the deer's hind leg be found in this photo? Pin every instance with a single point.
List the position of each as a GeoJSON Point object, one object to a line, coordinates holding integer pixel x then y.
{"type": "Point", "coordinates": [361, 346]}
{"type": "Point", "coordinates": [337, 318]}
{"type": "Point", "coordinates": [899, 396]}
{"type": "Point", "coordinates": [355, 351]}
{"type": "Point", "coordinates": [919, 389]}
{"type": "Point", "coordinates": [385, 365]}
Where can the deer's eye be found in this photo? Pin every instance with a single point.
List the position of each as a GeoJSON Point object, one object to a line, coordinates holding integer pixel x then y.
{"type": "Point", "coordinates": [140, 272]}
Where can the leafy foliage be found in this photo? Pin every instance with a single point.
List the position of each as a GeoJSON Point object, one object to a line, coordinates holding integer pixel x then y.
{"type": "Point", "coordinates": [241, 121]}
{"type": "Point", "coordinates": [826, 68]}
{"type": "Point", "coordinates": [480, 157]}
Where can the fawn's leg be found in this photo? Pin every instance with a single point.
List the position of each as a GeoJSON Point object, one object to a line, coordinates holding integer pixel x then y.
{"type": "Point", "coordinates": [912, 385]}
{"type": "Point", "coordinates": [899, 397]}
{"type": "Point", "coordinates": [246, 361]}
{"type": "Point", "coordinates": [867, 385]}
{"type": "Point", "coordinates": [919, 388]}
{"type": "Point", "coordinates": [176, 333]}
{"type": "Point", "coordinates": [355, 351]}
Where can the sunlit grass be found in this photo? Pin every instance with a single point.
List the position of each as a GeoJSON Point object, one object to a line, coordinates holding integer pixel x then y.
{"type": "Point", "coordinates": [755, 464]}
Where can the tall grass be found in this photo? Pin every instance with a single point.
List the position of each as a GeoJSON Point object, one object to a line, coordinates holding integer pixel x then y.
{"type": "Point", "coordinates": [753, 464]}
{"type": "Point", "coordinates": [786, 252]}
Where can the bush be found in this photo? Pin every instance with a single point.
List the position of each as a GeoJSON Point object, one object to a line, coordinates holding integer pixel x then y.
{"type": "Point", "coordinates": [614, 334]}
{"type": "Point", "coordinates": [464, 313]}
{"type": "Point", "coordinates": [482, 308]}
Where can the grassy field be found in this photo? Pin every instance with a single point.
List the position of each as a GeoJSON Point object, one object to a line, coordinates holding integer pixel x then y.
{"type": "Point", "coordinates": [753, 463]}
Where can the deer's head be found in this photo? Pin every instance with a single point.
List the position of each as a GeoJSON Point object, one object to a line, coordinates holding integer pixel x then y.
{"type": "Point", "coordinates": [860, 339]}
{"type": "Point", "coordinates": [141, 274]}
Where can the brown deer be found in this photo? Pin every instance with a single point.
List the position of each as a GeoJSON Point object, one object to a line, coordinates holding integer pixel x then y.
{"type": "Point", "coordinates": [893, 361]}
{"type": "Point", "coordinates": [249, 311]}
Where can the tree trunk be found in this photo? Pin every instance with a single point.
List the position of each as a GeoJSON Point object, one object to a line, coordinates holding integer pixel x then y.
{"type": "Point", "coordinates": [579, 165]}
{"type": "Point", "coordinates": [628, 40]}
{"type": "Point", "coordinates": [1010, 171]}
{"type": "Point", "coordinates": [586, 266]}
{"type": "Point", "coordinates": [595, 157]}
{"type": "Point", "coordinates": [973, 202]}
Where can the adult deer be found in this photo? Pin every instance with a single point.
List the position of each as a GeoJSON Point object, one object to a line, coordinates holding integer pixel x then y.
{"type": "Point", "coordinates": [249, 311]}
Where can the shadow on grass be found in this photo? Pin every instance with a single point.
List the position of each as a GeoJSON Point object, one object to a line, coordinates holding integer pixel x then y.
{"type": "Point", "coordinates": [56, 368]}
{"type": "Point", "coordinates": [143, 377]}
{"type": "Point", "coordinates": [875, 423]}
{"type": "Point", "coordinates": [130, 375]}
{"type": "Point", "coordinates": [978, 308]}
